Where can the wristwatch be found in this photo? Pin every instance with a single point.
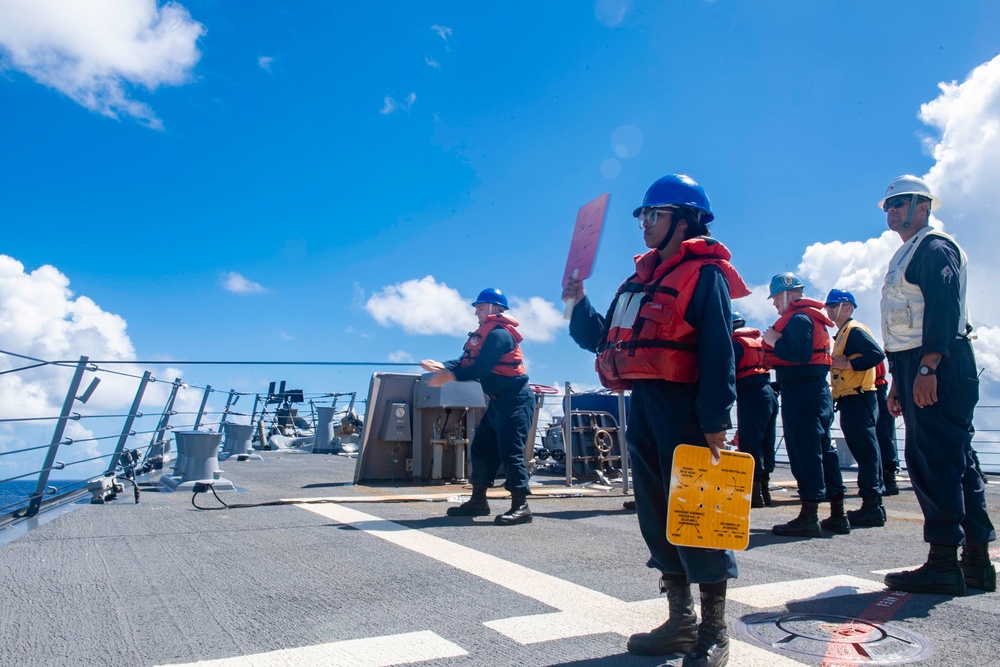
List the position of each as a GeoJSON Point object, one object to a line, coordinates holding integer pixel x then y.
{"type": "Point", "coordinates": [926, 370]}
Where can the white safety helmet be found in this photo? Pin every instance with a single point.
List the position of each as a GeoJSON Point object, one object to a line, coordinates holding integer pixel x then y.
{"type": "Point", "coordinates": [909, 185]}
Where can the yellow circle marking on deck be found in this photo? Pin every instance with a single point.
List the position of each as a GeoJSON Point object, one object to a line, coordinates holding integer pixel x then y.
{"type": "Point", "coordinates": [709, 503]}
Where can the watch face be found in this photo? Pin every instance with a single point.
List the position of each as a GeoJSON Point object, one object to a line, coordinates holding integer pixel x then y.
{"type": "Point", "coordinates": [925, 370]}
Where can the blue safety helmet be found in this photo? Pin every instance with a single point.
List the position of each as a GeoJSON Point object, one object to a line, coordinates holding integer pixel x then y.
{"type": "Point", "coordinates": [784, 282]}
{"type": "Point", "coordinates": [738, 320]}
{"type": "Point", "coordinates": [677, 190]}
{"type": "Point", "coordinates": [840, 296]}
{"type": "Point", "coordinates": [491, 295]}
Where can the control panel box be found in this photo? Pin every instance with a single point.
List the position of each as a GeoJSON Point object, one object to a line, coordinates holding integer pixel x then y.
{"type": "Point", "coordinates": [451, 395]}
{"type": "Point", "coordinates": [395, 422]}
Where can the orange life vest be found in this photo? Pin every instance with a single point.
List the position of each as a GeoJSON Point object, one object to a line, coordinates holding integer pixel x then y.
{"type": "Point", "coordinates": [821, 337]}
{"type": "Point", "coordinates": [752, 361]}
{"type": "Point", "coordinates": [880, 379]}
{"type": "Point", "coordinates": [510, 364]}
{"type": "Point", "coordinates": [647, 335]}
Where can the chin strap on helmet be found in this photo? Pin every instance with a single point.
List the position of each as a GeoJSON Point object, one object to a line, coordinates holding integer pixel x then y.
{"type": "Point", "coordinates": [909, 214]}
{"type": "Point", "coordinates": [674, 219]}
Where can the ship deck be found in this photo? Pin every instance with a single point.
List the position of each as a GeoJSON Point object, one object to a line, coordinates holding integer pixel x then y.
{"type": "Point", "coordinates": [380, 576]}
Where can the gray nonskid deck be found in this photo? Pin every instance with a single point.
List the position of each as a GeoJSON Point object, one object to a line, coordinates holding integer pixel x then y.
{"type": "Point", "coordinates": [163, 583]}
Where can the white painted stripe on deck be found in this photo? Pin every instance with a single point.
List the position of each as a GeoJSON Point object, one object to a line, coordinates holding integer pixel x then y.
{"type": "Point", "coordinates": [403, 649]}
{"type": "Point", "coordinates": [904, 568]}
{"type": "Point", "coordinates": [580, 611]}
{"type": "Point", "coordinates": [781, 593]}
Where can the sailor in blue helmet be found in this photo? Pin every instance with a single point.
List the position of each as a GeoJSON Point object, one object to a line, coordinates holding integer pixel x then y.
{"type": "Point", "coordinates": [852, 381]}
{"type": "Point", "coordinates": [667, 337]}
{"type": "Point", "coordinates": [756, 407]}
{"type": "Point", "coordinates": [935, 388]}
{"type": "Point", "coordinates": [492, 357]}
{"type": "Point", "coordinates": [797, 347]}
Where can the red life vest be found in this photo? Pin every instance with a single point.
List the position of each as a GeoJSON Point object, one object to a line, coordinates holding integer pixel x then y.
{"type": "Point", "coordinates": [752, 361]}
{"type": "Point", "coordinates": [510, 364]}
{"type": "Point", "coordinates": [880, 379]}
{"type": "Point", "coordinates": [821, 337]}
{"type": "Point", "coordinates": [647, 335]}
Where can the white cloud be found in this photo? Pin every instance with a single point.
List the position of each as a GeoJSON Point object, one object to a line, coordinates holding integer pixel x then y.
{"type": "Point", "coordinates": [432, 63]}
{"type": "Point", "coordinates": [966, 119]}
{"type": "Point", "coordinates": [400, 357]}
{"type": "Point", "coordinates": [237, 284]}
{"type": "Point", "coordinates": [391, 105]}
{"type": "Point", "coordinates": [264, 62]}
{"type": "Point", "coordinates": [423, 307]}
{"type": "Point", "coordinates": [426, 307]}
{"type": "Point", "coordinates": [95, 51]}
{"type": "Point", "coordinates": [442, 31]}
{"type": "Point", "coordinates": [538, 319]}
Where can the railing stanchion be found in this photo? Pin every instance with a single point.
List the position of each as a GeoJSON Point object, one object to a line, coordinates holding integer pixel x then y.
{"type": "Point", "coordinates": [201, 410]}
{"type": "Point", "coordinates": [35, 500]}
{"type": "Point", "coordinates": [129, 420]}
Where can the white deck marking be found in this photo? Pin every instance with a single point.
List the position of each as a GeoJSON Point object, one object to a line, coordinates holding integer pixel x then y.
{"type": "Point", "coordinates": [904, 568]}
{"type": "Point", "coordinates": [581, 611]}
{"type": "Point", "coordinates": [781, 593]}
{"type": "Point", "coordinates": [401, 649]}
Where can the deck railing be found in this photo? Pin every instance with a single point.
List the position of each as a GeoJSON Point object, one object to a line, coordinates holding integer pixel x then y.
{"type": "Point", "coordinates": [41, 472]}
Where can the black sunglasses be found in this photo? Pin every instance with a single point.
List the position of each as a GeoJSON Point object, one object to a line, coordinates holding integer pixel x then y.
{"type": "Point", "coordinates": [895, 202]}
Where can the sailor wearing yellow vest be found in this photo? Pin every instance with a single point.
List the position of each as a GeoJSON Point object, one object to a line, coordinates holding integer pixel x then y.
{"type": "Point", "coordinates": [852, 382]}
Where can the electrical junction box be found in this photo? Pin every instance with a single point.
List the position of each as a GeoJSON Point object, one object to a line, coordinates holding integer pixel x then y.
{"type": "Point", "coordinates": [396, 423]}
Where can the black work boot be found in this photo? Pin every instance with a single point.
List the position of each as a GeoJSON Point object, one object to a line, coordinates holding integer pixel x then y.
{"type": "Point", "coordinates": [978, 569]}
{"type": "Point", "coordinates": [941, 574]}
{"type": "Point", "coordinates": [519, 511]}
{"type": "Point", "coordinates": [680, 631]}
{"type": "Point", "coordinates": [837, 521]}
{"type": "Point", "coordinates": [475, 506]}
{"type": "Point", "coordinates": [712, 649]}
{"type": "Point", "coordinates": [765, 491]}
{"type": "Point", "coordinates": [629, 505]}
{"type": "Point", "coordinates": [889, 479]}
{"type": "Point", "coordinates": [756, 493]}
{"type": "Point", "coordinates": [871, 513]}
{"type": "Point", "coordinates": [805, 524]}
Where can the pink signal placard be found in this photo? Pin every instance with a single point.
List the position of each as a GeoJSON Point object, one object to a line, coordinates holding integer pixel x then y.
{"type": "Point", "coordinates": [586, 237]}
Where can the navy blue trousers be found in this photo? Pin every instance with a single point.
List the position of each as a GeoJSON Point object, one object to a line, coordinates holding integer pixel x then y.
{"type": "Point", "coordinates": [662, 417]}
{"type": "Point", "coordinates": [857, 421]}
{"type": "Point", "coordinates": [756, 419]}
{"type": "Point", "coordinates": [885, 431]}
{"type": "Point", "coordinates": [806, 417]}
{"type": "Point", "coordinates": [938, 447]}
{"type": "Point", "coordinates": [500, 438]}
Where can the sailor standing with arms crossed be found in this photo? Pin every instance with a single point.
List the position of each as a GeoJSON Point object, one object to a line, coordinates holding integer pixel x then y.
{"type": "Point", "coordinates": [935, 388]}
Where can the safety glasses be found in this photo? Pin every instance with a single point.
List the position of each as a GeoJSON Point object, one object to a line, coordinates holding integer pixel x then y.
{"type": "Point", "coordinates": [647, 216]}
{"type": "Point", "coordinates": [899, 201]}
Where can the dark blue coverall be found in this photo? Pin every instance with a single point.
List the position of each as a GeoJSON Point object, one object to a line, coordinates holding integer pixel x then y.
{"type": "Point", "coordinates": [756, 416]}
{"type": "Point", "coordinates": [859, 415]}
{"type": "Point", "coordinates": [938, 444]}
{"type": "Point", "coordinates": [665, 414]}
{"type": "Point", "coordinates": [807, 414]}
{"type": "Point", "coordinates": [885, 431]}
{"type": "Point", "coordinates": [503, 431]}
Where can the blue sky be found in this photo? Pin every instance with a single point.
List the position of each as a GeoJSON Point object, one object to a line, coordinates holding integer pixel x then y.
{"type": "Point", "coordinates": [335, 181]}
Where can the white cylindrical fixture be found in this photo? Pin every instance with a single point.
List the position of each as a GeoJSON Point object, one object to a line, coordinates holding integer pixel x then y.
{"type": "Point", "coordinates": [324, 431]}
{"type": "Point", "coordinates": [460, 460]}
{"type": "Point", "coordinates": [436, 460]}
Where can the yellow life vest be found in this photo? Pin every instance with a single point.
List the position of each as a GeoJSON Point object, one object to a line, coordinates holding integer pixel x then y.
{"type": "Point", "coordinates": [849, 381]}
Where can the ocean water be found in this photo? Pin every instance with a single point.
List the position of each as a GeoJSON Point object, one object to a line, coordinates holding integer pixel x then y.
{"type": "Point", "coordinates": [16, 493]}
